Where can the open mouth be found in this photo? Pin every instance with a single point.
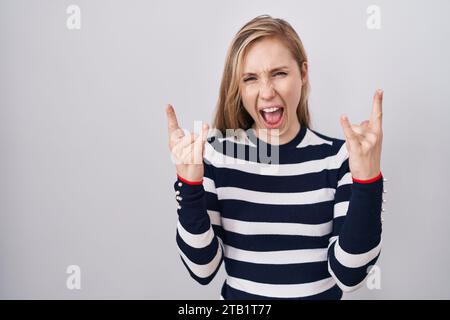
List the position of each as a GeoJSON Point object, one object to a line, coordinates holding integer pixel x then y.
{"type": "Point", "coordinates": [272, 116]}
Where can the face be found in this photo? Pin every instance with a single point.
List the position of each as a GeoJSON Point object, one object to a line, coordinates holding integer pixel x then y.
{"type": "Point", "coordinates": [271, 85]}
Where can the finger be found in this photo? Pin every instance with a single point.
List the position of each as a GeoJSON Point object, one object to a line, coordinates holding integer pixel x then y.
{"type": "Point", "coordinates": [201, 139]}
{"type": "Point", "coordinates": [200, 144]}
{"type": "Point", "coordinates": [183, 148]}
{"type": "Point", "coordinates": [205, 136]}
{"type": "Point", "coordinates": [358, 129]}
{"type": "Point", "coordinates": [348, 132]}
{"type": "Point", "coordinates": [366, 144]}
{"type": "Point", "coordinates": [371, 137]}
{"type": "Point", "coordinates": [187, 140]}
{"type": "Point", "coordinates": [186, 154]}
{"type": "Point", "coordinates": [377, 110]}
{"type": "Point", "coordinates": [190, 153]}
{"type": "Point", "coordinates": [205, 132]}
{"type": "Point", "coordinates": [175, 132]}
{"type": "Point", "coordinates": [175, 136]}
{"type": "Point", "coordinates": [172, 121]}
{"type": "Point", "coordinates": [364, 123]}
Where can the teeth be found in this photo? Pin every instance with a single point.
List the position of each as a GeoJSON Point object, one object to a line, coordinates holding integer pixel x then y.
{"type": "Point", "coordinates": [273, 109]}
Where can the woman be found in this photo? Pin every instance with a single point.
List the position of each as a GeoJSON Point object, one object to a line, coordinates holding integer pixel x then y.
{"type": "Point", "coordinates": [306, 226]}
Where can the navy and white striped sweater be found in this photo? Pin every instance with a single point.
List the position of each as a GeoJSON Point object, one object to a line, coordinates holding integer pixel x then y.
{"type": "Point", "coordinates": [299, 229]}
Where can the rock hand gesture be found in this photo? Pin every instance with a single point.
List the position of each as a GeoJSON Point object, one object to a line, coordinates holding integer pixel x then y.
{"type": "Point", "coordinates": [187, 149]}
{"type": "Point", "coordinates": [364, 141]}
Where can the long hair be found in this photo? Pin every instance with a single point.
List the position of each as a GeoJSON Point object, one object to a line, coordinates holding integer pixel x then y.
{"type": "Point", "coordinates": [230, 112]}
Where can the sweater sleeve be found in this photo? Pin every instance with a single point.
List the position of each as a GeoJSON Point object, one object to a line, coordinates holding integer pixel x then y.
{"type": "Point", "coordinates": [199, 230]}
{"type": "Point", "coordinates": [355, 244]}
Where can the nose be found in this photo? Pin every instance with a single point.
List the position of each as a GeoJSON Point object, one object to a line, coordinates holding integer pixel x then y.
{"type": "Point", "coordinates": [267, 91]}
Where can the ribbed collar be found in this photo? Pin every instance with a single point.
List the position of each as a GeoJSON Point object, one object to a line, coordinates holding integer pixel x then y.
{"type": "Point", "coordinates": [288, 145]}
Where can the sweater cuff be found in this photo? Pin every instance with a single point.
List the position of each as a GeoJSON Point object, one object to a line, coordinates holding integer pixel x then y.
{"type": "Point", "coordinates": [188, 191]}
{"type": "Point", "coordinates": [379, 176]}
{"type": "Point", "coordinates": [194, 183]}
{"type": "Point", "coordinates": [363, 219]}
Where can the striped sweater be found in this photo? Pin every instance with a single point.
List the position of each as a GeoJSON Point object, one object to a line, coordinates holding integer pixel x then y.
{"type": "Point", "coordinates": [297, 228]}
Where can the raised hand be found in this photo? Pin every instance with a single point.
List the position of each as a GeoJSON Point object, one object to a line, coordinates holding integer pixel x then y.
{"type": "Point", "coordinates": [187, 149]}
{"type": "Point", "coordinates": [364, 142]}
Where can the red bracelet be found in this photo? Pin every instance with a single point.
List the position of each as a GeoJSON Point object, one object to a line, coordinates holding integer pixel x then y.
{"type": "Point", "coordinates": [194, 183]}
{"type": "Point", "coordinates": [368, 180]}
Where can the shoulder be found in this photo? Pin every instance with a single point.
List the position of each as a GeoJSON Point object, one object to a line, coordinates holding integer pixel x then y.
{"type": "Point", "coordinates": [231, 141]}
{"type": "Point", "coordinates": [333, 147]}
{"type": "Point", "coordinates": [314, 137]}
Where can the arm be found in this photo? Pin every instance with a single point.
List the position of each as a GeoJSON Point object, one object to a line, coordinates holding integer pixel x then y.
{"type": "Point", "coordinates": [356, 241]}
{"type": "Point", "coordinates": [199, 230]}
{"type": "Point", "coordinates": [200, 248]}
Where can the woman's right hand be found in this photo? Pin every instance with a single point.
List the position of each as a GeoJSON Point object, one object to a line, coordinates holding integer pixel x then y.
{"type": "Point", "coordinates": [187, 149]}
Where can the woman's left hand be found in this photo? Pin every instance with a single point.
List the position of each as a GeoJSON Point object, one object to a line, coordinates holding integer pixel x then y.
{"type": "Point", "coordinates": [364, 141]}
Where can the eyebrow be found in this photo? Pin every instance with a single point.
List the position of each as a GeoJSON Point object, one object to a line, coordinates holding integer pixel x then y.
{"type": "Point", "coordinates": [273, 70]}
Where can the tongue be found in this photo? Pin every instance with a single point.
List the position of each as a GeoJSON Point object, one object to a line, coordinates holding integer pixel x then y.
{"type": "Point", "coordinates": [272, 117]}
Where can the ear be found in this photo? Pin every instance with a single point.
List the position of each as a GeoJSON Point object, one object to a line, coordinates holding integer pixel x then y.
{"type": "Point", "coordinates": [304, 72]}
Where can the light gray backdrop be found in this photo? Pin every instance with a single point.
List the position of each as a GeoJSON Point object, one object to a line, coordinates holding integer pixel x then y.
{"type": "Point", "coordinates": [85, 173]}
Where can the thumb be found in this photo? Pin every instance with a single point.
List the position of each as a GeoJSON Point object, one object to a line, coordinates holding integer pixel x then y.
{"type": "Point", "coordinates": [205, 130]}
{"type": "Point", "coordinates": [202, 137]}
{"type": "Point", "coordinates": [199, 146]}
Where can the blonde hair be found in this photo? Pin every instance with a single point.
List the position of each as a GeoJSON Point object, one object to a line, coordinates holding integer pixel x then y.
{"type": "Point", "coordinates": [230, 113]}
